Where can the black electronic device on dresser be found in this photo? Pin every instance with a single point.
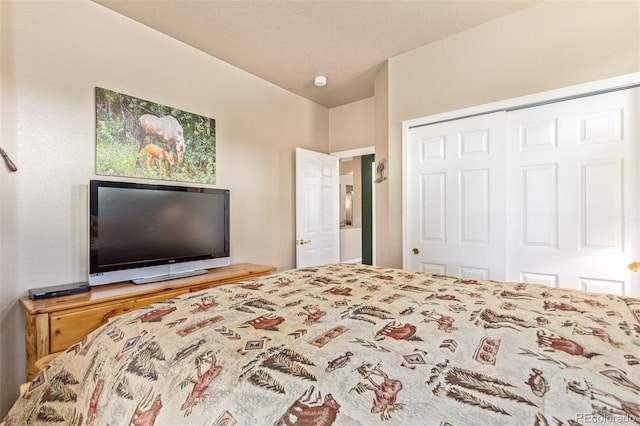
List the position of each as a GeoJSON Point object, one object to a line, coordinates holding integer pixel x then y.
{"type": "Point", "coordinates": [58, 290]}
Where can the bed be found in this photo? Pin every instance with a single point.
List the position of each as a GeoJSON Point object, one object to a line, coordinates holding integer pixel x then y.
{"type": "Point", "coordinates": [350, 344]}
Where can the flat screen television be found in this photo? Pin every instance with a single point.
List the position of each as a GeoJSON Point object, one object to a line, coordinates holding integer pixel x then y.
{"type": "Point", "coordinates": [145, 232]}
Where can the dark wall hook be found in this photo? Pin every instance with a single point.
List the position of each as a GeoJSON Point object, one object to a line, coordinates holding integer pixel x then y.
{"type": "Point", "coordinates": [10, 164]}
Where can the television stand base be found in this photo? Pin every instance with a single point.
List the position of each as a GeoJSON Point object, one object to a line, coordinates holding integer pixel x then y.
{"type": "Point", "coordinates": [169, 276]}
{"type": "Point", "coordinates": [54, 325]}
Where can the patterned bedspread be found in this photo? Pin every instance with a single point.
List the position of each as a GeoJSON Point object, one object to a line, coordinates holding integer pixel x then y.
{"type": "Point", "coordinates": [352, 345]}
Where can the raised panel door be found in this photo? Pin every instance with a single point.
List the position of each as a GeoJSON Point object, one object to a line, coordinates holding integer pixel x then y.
{"type": "Point", "coordinates": [455, 175]}
{"type": "Point", "coordinates": [573, 193]}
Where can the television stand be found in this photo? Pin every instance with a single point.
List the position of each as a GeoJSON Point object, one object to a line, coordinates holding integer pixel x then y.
{"type": "Point", "coordinates": [52, 325]}
{"type": "Point", "coordinates": [169, 276]}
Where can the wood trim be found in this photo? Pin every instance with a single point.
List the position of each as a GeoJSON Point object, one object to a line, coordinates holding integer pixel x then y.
{"type": "Point", "coordinates": [31, 336]}
{"type": "Point", "coordinates": [117, 291]}
{"type": "Point", "coordinates": [42, 335]}
{"type": "Point", "coordinates": [52, 325]}
{"type": "Point", "coordinates": [579, 90]}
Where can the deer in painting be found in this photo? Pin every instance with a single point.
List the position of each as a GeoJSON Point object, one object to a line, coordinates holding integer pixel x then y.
{"type": "Point", "coordinates": [155, 152]}
{"type": "Point", "coordinates": [166, 130]}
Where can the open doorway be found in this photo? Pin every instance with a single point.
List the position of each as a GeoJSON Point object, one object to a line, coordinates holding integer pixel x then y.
{"type": "Point", "coordinates": [356, 206]}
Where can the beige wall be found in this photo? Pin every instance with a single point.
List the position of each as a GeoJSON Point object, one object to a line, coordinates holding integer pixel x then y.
{"type": "Point", "coordinates": [351, 126]}
{"type": "Point", "coordinates": [384, 254]}
{"type": "Point", "coordinates": [53, 54]}
{"type": "Point", "coordinates": [547, 46]}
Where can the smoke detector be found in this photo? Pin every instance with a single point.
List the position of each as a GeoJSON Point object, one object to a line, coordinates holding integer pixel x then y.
{"type": "Point", "coordinates": [320, 81]}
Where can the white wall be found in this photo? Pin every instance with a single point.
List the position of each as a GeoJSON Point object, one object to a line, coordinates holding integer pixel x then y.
{"type": "Point", "coordinates": [53, 54]}
{"type": "Point", "coordinates": [351, 245]}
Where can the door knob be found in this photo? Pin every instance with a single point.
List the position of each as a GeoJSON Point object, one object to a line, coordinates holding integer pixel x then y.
{"type": "Point", "coordinates": [303, 242]}
{"type": "Point", "coordinates": [415, 250]}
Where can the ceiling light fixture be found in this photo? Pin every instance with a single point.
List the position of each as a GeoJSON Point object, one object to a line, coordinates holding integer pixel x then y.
{"type": "Point", "coordinates": [320, 81]}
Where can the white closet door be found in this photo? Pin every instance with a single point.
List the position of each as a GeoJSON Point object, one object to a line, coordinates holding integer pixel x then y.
{"type": "Point", "coordinates": [573, 193]}
{"type": "Point", "coordinates": [455, 198]}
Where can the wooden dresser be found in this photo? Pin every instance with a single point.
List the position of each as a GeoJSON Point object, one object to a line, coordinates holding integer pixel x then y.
{"type": "Point", "coordinates": [52, 325]}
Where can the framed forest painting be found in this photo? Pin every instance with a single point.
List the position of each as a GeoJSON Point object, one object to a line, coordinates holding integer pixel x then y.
{"type": "Point", "coordinates": [143, 139]}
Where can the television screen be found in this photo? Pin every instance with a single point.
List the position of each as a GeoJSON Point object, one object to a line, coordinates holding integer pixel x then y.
{"type": "Point", "coordinates": [175, 229]}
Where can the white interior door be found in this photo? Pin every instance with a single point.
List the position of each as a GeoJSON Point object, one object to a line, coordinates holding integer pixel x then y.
{"type": "Point", "coordinates": [573, 190]}
{"type": "Point", "coordinates": [455, 198]}
{"type": "Point", "coordinates": [317, 208]}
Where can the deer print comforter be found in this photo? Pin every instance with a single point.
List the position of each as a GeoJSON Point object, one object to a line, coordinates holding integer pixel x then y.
{"type": "Point", "coordinates": [352, 345]}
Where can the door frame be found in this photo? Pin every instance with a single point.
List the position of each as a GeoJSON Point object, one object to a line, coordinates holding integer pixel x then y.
{"type": "Point", "coordinates": [586, 89]}
{"type": "Point", "coordinates": [359, 152]}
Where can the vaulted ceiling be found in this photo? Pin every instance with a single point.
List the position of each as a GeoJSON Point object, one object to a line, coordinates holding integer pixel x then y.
{"type": "Point", "coordinates": [288, 43]}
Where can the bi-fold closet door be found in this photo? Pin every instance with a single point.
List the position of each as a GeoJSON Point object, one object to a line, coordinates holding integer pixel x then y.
{"type": "Point", "coordinates": [455, 202]}
{"type": "Point", "coordinates": [541, 194]}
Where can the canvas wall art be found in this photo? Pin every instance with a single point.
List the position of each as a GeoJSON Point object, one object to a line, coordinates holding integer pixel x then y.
{"type": "Point", "coordinates": [142, 139]}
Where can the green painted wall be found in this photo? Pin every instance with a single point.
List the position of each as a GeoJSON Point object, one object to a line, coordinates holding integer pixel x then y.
{"type": "Point", "coordinates": [367, 208]}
